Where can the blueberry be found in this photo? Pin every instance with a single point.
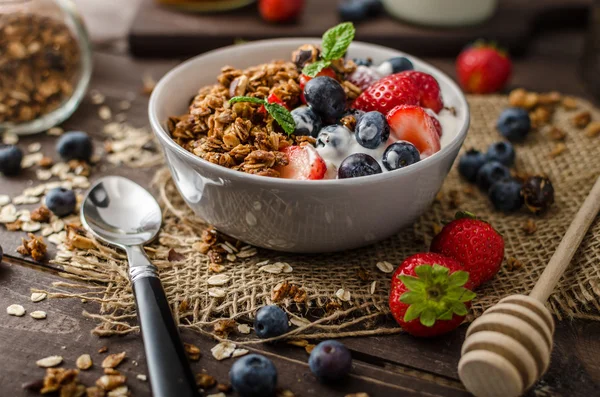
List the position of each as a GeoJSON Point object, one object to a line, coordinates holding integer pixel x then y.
{"type": "Point", "coordinates": [502, 152]}
{"type": "Point", "coordinates": [10, 160]}
{"type": "Point", "coordinates": [395, 65]}
{"type": "Point", "coordinates": [470, 163]}
{"type": "Point", "coordinates": [490, 173]}
{"type": "Point", "coordinates": [372, 130]}
{"type": "Point", "coordinates": [336, 137]}
{"type": "Point", "coordinates": [514, 124]}
{"type": "Point", "coordinates": [400, 154]}
{"type": "Point", "coordinates": [506, 195]}
{"type": "Point", "coordinates": [270, 321]}
{"type": "Point", "coordinates": [363, 61]}
{"type": "Point", "coordinates": [354, 10]}
{"type": "Point", "coordinates": [61, 201]}
{"type": "Point", "coordinates": [330, 360]}
{"type": "Point", "coordinates": [253, 376]}
{"type": "Point", "coordinates": [75, 145]}
{"type": "Point", "coordinates": [358, 164]}
{"type": "Point", "coordinates": [307, 121]}
{"type": "Point", "coordinates": [327, 97]}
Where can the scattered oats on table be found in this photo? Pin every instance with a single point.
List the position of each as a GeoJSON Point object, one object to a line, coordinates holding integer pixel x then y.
{"type": "Point", "coordinates": [84, 362]}
{"type": "Point", "coordinates": [113, 360]}
{"type": "Point", "coordinates": [142, 377]}
{"type": "Point", "coordinates": [38, 314]}
{"type": "Point", "coordinates": [15, 310]}
{"type": "Point", "coordinates": [223, 350]}
{"type": "Point", "coordinates": [38, 296]}
{"type": "Point", "coordinates": [50, 361]}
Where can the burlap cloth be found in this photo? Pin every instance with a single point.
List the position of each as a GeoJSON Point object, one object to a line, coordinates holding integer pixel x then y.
{"type": "Point", "coordinates": [323, 314]}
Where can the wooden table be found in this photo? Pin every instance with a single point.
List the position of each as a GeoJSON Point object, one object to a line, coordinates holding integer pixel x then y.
{"type": "Point", "coordinates": [383, 366]}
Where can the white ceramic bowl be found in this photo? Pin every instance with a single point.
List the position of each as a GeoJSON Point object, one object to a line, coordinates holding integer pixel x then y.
{"type": "Point", "coordinates": [299, 216]}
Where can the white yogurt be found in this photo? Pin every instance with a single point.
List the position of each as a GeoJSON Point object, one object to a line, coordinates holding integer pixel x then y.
{"type": "Point", "coordinates": [346, 144]}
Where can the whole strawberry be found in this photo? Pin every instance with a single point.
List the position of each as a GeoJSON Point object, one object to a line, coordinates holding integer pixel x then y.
{"type": "Point", "coordinates": [483, 68]}
{"type": "Point", "coordinates": [474, 243]}
{"type": "Point", "coordinates": [429, 294]}
{"type": "Point", "coordinates": [280, 10]}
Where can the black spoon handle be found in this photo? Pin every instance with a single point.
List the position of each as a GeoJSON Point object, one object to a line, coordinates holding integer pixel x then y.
{"type": "Point", "coordinates": [169, 370]}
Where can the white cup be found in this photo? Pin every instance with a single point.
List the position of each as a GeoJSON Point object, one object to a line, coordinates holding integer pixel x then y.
{"type": "Point", "coordinates": [442, 12]}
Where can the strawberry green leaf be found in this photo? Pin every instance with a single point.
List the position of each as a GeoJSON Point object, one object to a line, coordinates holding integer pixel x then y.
{"type": "Point", "coordinates": [428, 317]}
{"type": "Point", "coordinates": [423, 272]}
{"type": "Point", "coordinates": [439, 274]}
{"type": "Point", "coordinates": [282, 116]}
{"type": "Point", "coordinates": [455, 293]}
{"type": "Point", "coordinates": [314, 68]}
{"type": "Point", "coordinates": [414, 311]}
{"type": "Point", "coordinates": [465, 214]}
{"type": "Point", "coordinates": [459, 309]}
{"type": "Point", "coordinates": [458, 279]}
{"type": "Point", "coordinates": [467, 296]}
{"type": "Point", "coordinates": [447, 315]}
{"type": "Point", "coordinates": [247, 99]}
{"type": "Point", "coordinates": [337, 40]}
{"type": "Point", "coordinates": [412, 283]}
{"type": "Point", "coordinates": [410, 297]}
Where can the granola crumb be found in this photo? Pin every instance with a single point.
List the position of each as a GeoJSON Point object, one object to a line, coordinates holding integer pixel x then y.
{"type": "Point", "coordinates": [593, 129]}
{"type": "Point", "coordinates": [581, 119]}
{"type": "Point", "coordinates": [192, 351]}
{"type": "Point", "coordinates": [224, 388]}
{"type": "Point", "coordinates": [41, 214]}
{"type": "Point", "coordinates": [205, 381]}
{"type": "Point", "coordinates": [34, 247]}
{"type": "Point", "coordinates": [513, 263]}
{"type": "Point", "coordinates": [103, 349]}
{"type": "Point", "coordinates": [569, 103]}
{"type": "Point", "coordinates": [558, 149]}
{"type": "Point", "coordinates": [557, 134]}
{"type": "Point", "coordinates": [529, 227]}
{"type": "Point", "coordinates": [46, 162]}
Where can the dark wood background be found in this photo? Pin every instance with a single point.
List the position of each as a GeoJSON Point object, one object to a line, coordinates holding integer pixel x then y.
{"type": "Point", "coordinates": [383, 366]}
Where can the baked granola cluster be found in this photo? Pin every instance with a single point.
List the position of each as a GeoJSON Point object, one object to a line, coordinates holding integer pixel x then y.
{"type": "Point", "coordinates": [243, 136]}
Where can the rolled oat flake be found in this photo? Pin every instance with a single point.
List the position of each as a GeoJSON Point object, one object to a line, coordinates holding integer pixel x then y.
{"type": "Point", "coordinates": [15, 310]}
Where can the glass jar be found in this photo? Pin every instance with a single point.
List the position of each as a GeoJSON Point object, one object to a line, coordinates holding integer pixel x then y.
{"type": "Point", "coordinates": [45, 64]}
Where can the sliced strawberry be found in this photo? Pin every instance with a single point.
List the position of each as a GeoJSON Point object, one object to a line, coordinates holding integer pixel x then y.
{"type": "Point", "coordinates": [325, 72]}
{"type": "Point", "coordinates": [437, 125]}
{"type": "Point", "coordinates": [304, 163]}
{"type": "Point", "coordinates": [413, 124]}
{"type": "Point", "coordinates": [430, 95]}
{"type": "Point", "coordinates": [272, 98]}
{"type": "Point", "coordinates": [387, 93]}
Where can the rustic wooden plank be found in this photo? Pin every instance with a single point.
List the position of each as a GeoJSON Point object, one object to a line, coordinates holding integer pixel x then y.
{"type": "Point", "coordinates": [161, 31]}
{"type": "Point", "coordinates": [67, 333]}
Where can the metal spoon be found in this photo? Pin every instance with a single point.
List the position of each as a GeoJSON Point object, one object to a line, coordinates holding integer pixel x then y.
{"type": "Point", "coordinates": [123, 214]}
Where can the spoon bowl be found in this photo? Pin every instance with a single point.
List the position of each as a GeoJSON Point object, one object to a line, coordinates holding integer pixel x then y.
{"type": "Point", "coordinates": [121, 212]}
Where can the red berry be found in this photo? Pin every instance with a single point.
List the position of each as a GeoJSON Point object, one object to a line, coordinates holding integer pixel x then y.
{"type": "Point", "coordinates": [304, 163]}
{"type": "Point", "coordinates": [430, 294]}
{"type": "Point", "coordinates": [437, 125]}
{"type": "Point", "coordinates": [430, 95]}
{"type": "Point", "coordinates": [483, 68]}
{"type": "Point", "coordinates": [324, 72]}
{"type": "Point", "coordinates": [387, 93]}
{"type": "Point", "coordinates": [413, 124]}
{"type": "Point", "coordinates": [475, 244]}
{"type": "Point", "coordinates": [280, 10]}
{"type": "Point", "coordinates": [272, 98]}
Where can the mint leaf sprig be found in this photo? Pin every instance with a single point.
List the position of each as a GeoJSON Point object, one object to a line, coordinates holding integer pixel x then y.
{"type": "Point", "coordinates": [281, 115]}
{"type": "Point", "coordinates": [334, 45]}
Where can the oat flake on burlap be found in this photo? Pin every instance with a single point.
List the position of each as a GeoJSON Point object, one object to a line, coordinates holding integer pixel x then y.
{"type": "Point", "coordinates": [318, 278]}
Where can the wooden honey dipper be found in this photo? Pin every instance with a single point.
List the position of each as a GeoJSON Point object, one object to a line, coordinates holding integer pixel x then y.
{"type": "Point", "coordinates": [508, 348]}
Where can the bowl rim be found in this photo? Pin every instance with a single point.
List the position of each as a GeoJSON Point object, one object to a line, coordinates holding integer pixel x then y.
{"type": "Point", "coordinates": [167, 142]}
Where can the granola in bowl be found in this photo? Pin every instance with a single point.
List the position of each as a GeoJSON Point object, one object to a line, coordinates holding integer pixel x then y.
{"type": "Point", "coordinates": [316, 116]}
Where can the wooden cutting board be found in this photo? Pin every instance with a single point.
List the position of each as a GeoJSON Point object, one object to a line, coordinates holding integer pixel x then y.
{"type": "Point", "coordinates": [158, 31]}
